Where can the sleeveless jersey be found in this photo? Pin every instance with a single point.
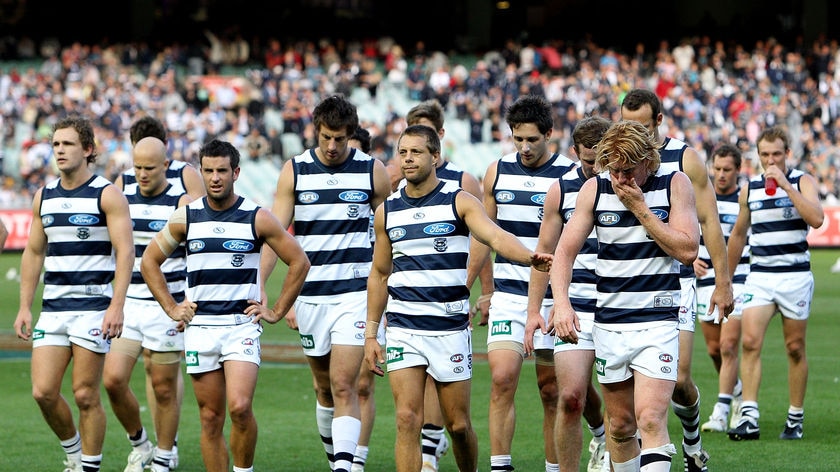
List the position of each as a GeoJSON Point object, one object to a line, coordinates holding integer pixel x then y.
{"type": "Point", "coordinates": [223, 261]}
{"type": "Point", "coordinates": [430, 245]}
{"type": "Point", "coordinates": [79, 264]}
{"type": "Point", "coordinates": [671, 154]}
{"type": "Point", "coordinates": [638, 283]}
{"type": "Point", "coordinates": [778, 241]}
{"type": "Point", "coordinates": [728, 208]}
{"type": "Point", "coordinates": [148, 216]}
{"type": "Point", "coordinates": [582, 291]}
{"type": "Point", "coordinates": [332, 220]}
{"type": "Point", "coordinates": [519, 193]}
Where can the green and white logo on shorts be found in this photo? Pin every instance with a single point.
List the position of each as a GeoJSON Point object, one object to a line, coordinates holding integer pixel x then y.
{"type": "Point", "coordinates": [600, 365]}
{"type": "Point", "coordinates": [38, 334]}
{"type": "Point", "coordinates": [191, 358]}
{"type": "Point", "coordinates": [501, 328]}
{"type": "Point", "coordinates": [307, 341]}
{"type": "Point", "coordinates": [393, 354]}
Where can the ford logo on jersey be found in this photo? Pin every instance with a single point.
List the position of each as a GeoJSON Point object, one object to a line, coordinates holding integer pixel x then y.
{"type": "Point", "coordinates": [439, 228]}
{"type": "Point", "coordinates": [783, 202]}
{"type": "Point", "coordinates": [308, 197]}
{"type": "Point", "coordinates": [157, 225]}
{"type": "Point", "coordinates": [504, 196]}
{"type": "Point", "coordinates": [83, 220]}
{"type": "Point", "coordinates": [538, 199]}
{"type": "Point", "coordinates": [353, 196]}
{"type": "Point", "coordinates": [396, 234]}
{"type": "Point", "coordinates": [608, 219]}
{"type": "Point", "coordinates": [660, 213]}
{"type": "Point", "coordinates": [238, 245]}
{"type": "Point", "coordinates": [729, 219]}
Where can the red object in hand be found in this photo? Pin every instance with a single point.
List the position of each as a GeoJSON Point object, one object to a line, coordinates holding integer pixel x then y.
{"type": "Point", "coordinates": [770, 186]}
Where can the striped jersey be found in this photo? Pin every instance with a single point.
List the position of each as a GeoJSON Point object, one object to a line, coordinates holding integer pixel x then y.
{"type": "Point", "coordinates": [778, 241]}
{"type": "Point", "coordinates": [671, 156]}
{"type": "Point", "coordinates": [223, 261]}
{"type": "Point", "coordinates": [148, 216]}
{"type": "Point", "coordinates": [332, 220]}
{"type": "Point", "coordinates": [79, 264]}
{"type": "Point", "coordinates": [638, 282]}
{"type": "Point", "coordinates": [582, 291]}
{"type": "Point", "coordinates": [728, 208]}
{"type": "Point", "coordinates": [519, 192]}
{"type": "Point", "coordinates": [427, 288]}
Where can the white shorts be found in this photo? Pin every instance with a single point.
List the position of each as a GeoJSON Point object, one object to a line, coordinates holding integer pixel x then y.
{"type": "Point", "coordinates": [207, 347]}
{"type": "Point", "coordinates": [585, 342]}
{"type": "Point", "coordinates": [322, 325]}
{"type": "Point", "coordinates": [82, 329]}
{"type": "Point", "coordinates": [506, 322]}
{"type": "Point", "coordinates": [145, 321]}
{"type": "Point", "coordinates": [448, 357]}
{"type": "Point", "coordinates": [792, 292]}
{"type": "Point", "coordinates": [704, 295]}
{"type": "Point", "coordinates": [688, 303]}
{"type": "Point", "coordinates": [653, 352]}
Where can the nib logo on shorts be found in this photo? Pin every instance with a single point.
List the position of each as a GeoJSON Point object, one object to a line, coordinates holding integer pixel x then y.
{"type": "Point", "coordinates": [600, 366]}
{"type": "Point", "coordinates": [393, 354]}
{"type": "Point", "coordinates": [192, 358]}
{"type": "Point", "coordinates": [307, 341]}
{"type": "Point", "coordinates": [501, 328]}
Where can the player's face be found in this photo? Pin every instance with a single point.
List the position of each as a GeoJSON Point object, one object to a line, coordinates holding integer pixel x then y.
{"type": "Point", "coordinates": [643, 115]}
{"type": "Point", "coordinates": [333, 145]}
{"type": "Point", "coordinates": [68, 152]}
{"type": "Point", "coordinates": [218, 177]}
{"type": "Point", "coordinates": [150, 172]}
{"type": "Point", "coordinates": [587, 161]}
{"type": "Point", "coordinates": [724, 175]}
{"type": "Point", "coordinates": [416, 161]}
{"type": "Point", "coordinates": [531, 144]}
{"type": "Point", "coordinates": [772, 153]}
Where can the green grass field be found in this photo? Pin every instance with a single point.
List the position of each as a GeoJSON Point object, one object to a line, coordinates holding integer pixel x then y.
{"type": "Point", "coordinates": [285, 405]}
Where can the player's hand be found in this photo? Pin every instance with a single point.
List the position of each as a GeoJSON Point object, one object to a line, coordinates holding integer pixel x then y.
{"type": "Point", "coordinates": [542, 261]}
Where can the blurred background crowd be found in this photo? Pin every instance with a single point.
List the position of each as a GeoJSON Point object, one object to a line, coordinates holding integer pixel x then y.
{"type": "Point", "coordinates": [260, 94]}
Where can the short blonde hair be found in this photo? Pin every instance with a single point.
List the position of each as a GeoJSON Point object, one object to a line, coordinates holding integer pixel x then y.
{"type": "Point", "coordinates": [628, 144]}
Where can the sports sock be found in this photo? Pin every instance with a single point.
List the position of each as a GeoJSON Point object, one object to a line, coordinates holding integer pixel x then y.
{"type": "Point", "coordinates": [73, 447]}
{"type": "Point", "coordinates": [795, 415]}
{"type": "Point", "coordinates": [431, 435]}
{"type": "Point", "coordinates": [324, 417]}
{"type": "Point", "coordinates": [690, 419]}
{"type": "Point", "coordinates": [360, 457]}
{"type": "Point", "coordinates": [750, 409]}
{"type": "Point", "coordinates": [345, 431]}
{"type": "Point", "coordinates": [91, 463]}
{"type": "Point", "coordinates": [501, 462]}
{"type": "Point", "coordinates": [138, 438]}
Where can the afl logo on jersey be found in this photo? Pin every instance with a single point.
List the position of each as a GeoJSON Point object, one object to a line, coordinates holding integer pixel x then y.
{"type": "Point", "coordinates": [157, 225]}
{"type": "Point", "coordinates": [238, 245]}
{"type": "Point", "coordinates": [308, 197]}
{"type": "Point", "coordinates": [660, 213]}
{"type": "Point", "coordinates": [538, 199]}
{"type": "Point", "coordinates": [608, 219]}
{"type": "Point", "coordinates": [83, 220]}
{"type": "Point", "coordinates": [47, 220]}
{"type": "Point", "coordinates": [196, 246]}
{"type": "Point", "coordinates": [755, 206]}
{"type": "Point", "coordinates": [353, 196]}
{"type": "Point", "coordinates": [439, 228]}
{"type": "Point", "coordinates": [568, 215]}
{"type": "Point", "coordinates": [504, 196]}
{"type": "Point", "coordinates": [396, 234]}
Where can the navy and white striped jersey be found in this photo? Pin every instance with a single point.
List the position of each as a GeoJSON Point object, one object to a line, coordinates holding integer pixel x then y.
{"type": "Point", "coordinates": [174, 175]}
{"type": "Point", "coordinates": [223, 261]}
{"type": "Point", "coordinates": [638, 282]}
{"type": "Point", "coordinates": [779, 234]}
{"type": "Point", "coordinates": [148, 216]}
{"type": "Point", "coordinates": [582, 291]}
{"type": "Point", "coordinates": [79, 264]}
{"type": "Point", "coordinates": [332, 220]}
{"type": "Point", "coordinates": [728, 208]}
{"type": "Point", "coordinates": [519, 192]}
{"type": "Point", "coordinates": [671, 156]}
{"type": "Point", "coordinates": [430, 245]}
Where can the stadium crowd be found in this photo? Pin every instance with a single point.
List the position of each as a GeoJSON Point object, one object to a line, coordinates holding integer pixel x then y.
{"type": "Point", "coordinates": [252, 94]}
